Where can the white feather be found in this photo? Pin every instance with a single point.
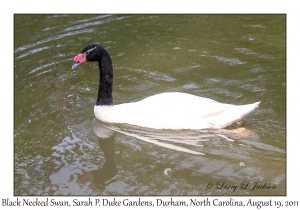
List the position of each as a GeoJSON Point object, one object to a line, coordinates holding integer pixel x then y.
{"type": "Point", "coordinates": [174, 110]}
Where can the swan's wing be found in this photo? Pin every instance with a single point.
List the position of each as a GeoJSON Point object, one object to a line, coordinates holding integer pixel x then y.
{"type": "Point", "coordinates": [181, 104]}
{"type": "Point", "coordinates": [175, 97]}
{"type": "Point", "coordinates": [174, 111]}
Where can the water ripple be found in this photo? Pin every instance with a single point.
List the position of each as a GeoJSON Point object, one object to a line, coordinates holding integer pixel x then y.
{"type": "Point", "coordinates": [60, 36]}
{"type": "Point", "coordinates": [33, 51]}
{"type": "Point", "coordinates": [230, 61]}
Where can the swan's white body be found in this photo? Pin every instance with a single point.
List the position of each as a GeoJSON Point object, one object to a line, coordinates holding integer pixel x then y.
{"type": "Point", "coordinates": [174, 110]}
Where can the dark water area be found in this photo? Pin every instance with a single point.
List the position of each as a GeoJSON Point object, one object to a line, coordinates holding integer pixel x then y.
{"type": "Point", "coordinates": [61, 149]}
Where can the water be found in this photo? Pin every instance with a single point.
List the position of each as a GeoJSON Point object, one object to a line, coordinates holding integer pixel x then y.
{"type": "Point", "coordinates": [61, 149]}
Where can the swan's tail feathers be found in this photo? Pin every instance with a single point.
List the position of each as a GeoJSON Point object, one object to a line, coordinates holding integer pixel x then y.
{"type": "Point", "coordinates": [248, 108]}
{"type": "Point", "coordinates": [256, 104]}
{"type": "Point", "coordinates": [232, 115]}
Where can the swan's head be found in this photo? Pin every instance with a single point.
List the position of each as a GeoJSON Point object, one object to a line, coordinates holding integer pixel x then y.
{"type": "Point", "coordinates": [89, 53]}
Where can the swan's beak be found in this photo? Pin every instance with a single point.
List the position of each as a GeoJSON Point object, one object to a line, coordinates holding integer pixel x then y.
{"type": "Point", "coordinates": [75, 65]}
{"type": "Point", "coordinates": [78, 60]}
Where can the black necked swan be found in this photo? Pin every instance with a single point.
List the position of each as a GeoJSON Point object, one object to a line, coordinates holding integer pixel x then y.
{"type": "Point", "coordinates": [170, 110]}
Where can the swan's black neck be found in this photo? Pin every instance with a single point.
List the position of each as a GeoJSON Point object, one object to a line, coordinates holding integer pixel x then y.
{"type": "Point", "coordinates": [106, 79]}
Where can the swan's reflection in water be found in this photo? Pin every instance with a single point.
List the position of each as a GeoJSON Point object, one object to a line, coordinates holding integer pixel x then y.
{"type": "Point", "coordinates": [176, 140]}
{"type": "Point", "coordinates": [109, 170]}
